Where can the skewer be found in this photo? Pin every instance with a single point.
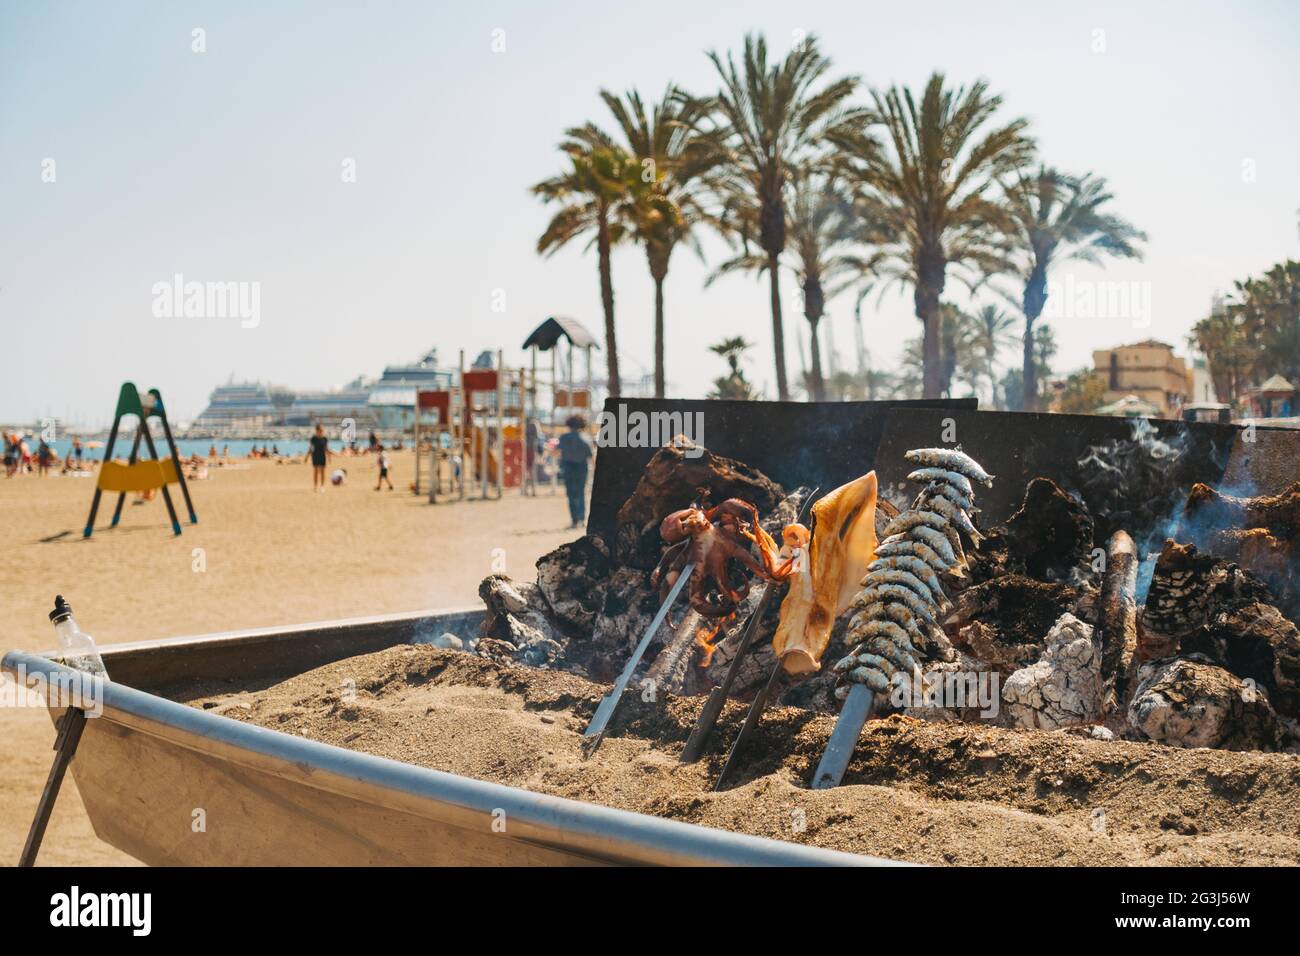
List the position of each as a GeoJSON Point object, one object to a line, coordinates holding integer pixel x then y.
{"type": "Point", "coordinates": [718, 696]}
{"type": "Point", "coordinates": [844, 738]}
{"type": "Point", "coordinates": [751, 721]}
{"type": "Point", "coordinates": [595, 731]}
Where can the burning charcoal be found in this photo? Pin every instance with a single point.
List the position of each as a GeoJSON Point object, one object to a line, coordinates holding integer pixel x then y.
{"type": "Point", "coordinates": [572, 579]}
{"type": "Point", "coordinates": [1016, 612]}
{"type": "Point", "coordinates": [1062, 688]}
{"type": "Point", "coordinates": [513, 616]}
{"type": "Point", "coordinates": [1209, 510]}
{"type": "Point", "coordinates": [630, 604]}
{"type": "Point", "coordinates": [1262, 534]}
{"type": "Point", "coordinates": [1256, 642]}
{"type": "Point", "coordinates": [1190, 702]}
{"type": "Point", "coordinates": [670, 482]}
{"type": "Point", "coordinates": [1051, 534]}
{"type": "Point", "coordinates": [495, 649]}
{"type": "Point", "coordinates": [1187, 589]}
{"type": "Point", "coordinates": [680, 668]}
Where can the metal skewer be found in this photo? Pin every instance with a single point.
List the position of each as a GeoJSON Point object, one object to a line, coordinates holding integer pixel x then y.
{"type": "Point", "coordinates": [751, 721]}
{"type": "Point", "coordinates": [595, 731]}
{"type": "Point", "coordinates": [718, 696]}
{"type": "Point", "coordinates": [844, 738]}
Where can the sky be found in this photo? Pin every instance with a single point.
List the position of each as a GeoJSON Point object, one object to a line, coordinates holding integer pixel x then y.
{"type": "Point", "coordinates": [366, 167]}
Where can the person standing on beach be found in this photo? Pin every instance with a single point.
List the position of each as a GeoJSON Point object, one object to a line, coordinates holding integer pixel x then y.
{"type": "Point", "coordinates": [319, 453]}
{"type": "Point", "coordinates": [575, 452]}
{"type": "Point", "coordinates": [383, 469]}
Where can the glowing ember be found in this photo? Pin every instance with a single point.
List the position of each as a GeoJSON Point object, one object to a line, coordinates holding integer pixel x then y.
{"type": "Point", "coordinates": [704, 639]}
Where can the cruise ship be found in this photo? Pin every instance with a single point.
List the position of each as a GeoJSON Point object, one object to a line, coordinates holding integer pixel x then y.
{"type": "Point", "coordinates": [387, 402]}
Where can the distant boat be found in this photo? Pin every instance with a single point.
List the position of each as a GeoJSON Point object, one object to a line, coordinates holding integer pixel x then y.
{"type": "Point", "coordinates": [386, 403]}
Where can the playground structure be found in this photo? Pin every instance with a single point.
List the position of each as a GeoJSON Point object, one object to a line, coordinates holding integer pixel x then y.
{"type": "Point", "coordinates": [152, 474]}
{"type": "Point", "coordinates": [489, 432]}
{"type": "Point", "coordinates": [476, 435]}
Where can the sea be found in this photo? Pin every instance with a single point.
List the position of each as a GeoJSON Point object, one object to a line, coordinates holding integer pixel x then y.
{"type": "Point", "coordinates": [238, 448]}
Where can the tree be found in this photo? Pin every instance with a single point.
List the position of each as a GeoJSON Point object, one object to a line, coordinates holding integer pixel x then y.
{"type": "Point", "coordinates": [959, 359]}
{"type": "Point", "coordinates": [733, 386]}
{"type": "Point", "coordinates": [1268, 311]}
{"type": "Point", "coordinates": [594, 196]}
{"type": "Point", "coordinates": [1255, 333]}
{"type": "Point", "coordinates": [1057, 217]}
{"type": "Point", "coordinates": [925, 185]}
{"type": "Point", "coordinates": [821, 229]}
{"type": "Point", "coordinates": [764, 119]}
{"type": "Point", "coordinates": [1227, 353]}
{"type": "Point", "coordinates": [1082, 393]}
{"type": "Point", "coordinates": [671, 160]}
{"type": "Point", "coordinates": [991, 333]}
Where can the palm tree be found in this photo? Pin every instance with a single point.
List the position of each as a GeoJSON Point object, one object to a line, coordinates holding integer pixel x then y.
{"type": "Point", "coordinates": [765, 118]}
{"type": "Point", "coordinates": [671, 158]}
{"type": "Point", "coordinates": [1268, 311]}
{"type": "Point", "coordinates": [733, 386]}
{"type": "Point", "coordinates": [594, 192]}
{"type": "Point", "coordinates": [925, 186]}
{"type": "Point", "coordinates": [821, 228]}
{"type": "Point", "coordinates": [1228, 352]}
{"type": "Point", "coordinates": [991, 333]}
{"type": "Point", "coordinates": [1054, 217]}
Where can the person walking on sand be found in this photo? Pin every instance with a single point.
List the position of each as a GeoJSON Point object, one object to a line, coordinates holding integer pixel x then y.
{"type": "Point", "coordinates": [319, 453]}
{"type": "Point", "coordinates": [383, 470]}
{"type": "Point", "coordinates": [575, 452]}
{"type": "Point", "coordinates": [11, 454]}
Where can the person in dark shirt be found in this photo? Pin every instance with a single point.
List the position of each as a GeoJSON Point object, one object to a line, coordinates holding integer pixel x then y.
{"type": "Point", "coordinates": [319, 453]}
{"type": "Point", "coordinates": [575, 452]}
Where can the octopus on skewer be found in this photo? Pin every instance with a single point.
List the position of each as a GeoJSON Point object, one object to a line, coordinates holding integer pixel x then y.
{"type": "Point", "coordinates": [717, 540]}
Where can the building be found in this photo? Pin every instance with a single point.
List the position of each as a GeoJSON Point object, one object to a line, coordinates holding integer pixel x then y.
{"type": "Point", "coordinates": [1276, 398]}
{"type": "Point", "coordinates": [1148, 370]}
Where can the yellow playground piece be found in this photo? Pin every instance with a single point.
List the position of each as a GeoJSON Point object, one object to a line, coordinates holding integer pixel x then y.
{"type": "Point", "coordinates": [136, 475]}
{"type": "Point", "coordinates": [142, 476]}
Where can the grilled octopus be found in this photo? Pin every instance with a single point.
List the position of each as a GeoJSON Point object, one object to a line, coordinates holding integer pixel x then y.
{"type": "Point", "coordinates": [713, 538]}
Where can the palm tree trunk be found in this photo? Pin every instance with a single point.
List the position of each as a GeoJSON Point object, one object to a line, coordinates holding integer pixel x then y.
{"type": "Point", "coordinates": [814, 308]}
{"type": "Point", "coordinates": [1035, 299]}
{"type": "Point", "coordinates": [659, 338]}
{"type": "Point", "coordinates": [1029, 370]}
{"type": "Point", "coordinates": [607, 302]}
{"type": "Point", "coordinates": [778, 329]}
{"type": "Point", "coordinates": [930, 268]}
{"type": "Point", "coordinates": [657, 258]}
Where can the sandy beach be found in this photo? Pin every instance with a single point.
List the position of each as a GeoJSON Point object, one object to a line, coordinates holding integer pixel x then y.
{"type": "Point", "coordinates": [925, 792]}
{"type": "Point", "coordinates": [273, 552]}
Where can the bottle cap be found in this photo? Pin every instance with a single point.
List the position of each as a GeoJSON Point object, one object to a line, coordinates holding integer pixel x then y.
{"type": "Point", "coordinates": [62, 610]}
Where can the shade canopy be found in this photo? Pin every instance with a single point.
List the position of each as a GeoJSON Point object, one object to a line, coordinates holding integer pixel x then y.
{"type": "Point", "coordinates": [546, 335]}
